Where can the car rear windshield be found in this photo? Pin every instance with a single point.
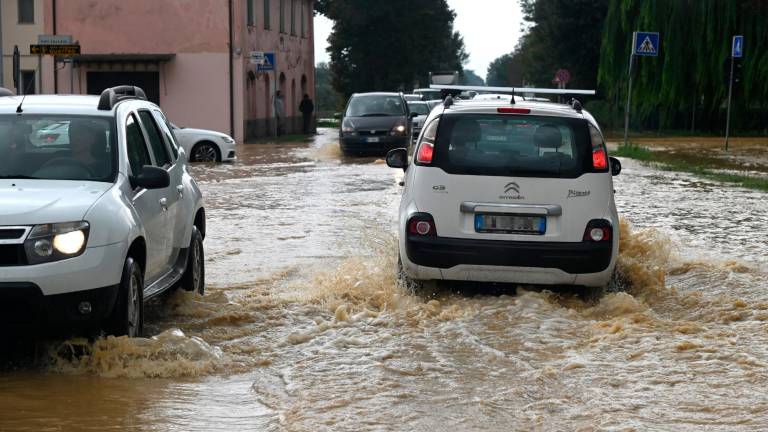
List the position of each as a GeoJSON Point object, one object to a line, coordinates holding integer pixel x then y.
{"type": "Point", "coordinates": [56, 147]}
{"type": "Point", "coordinates": [419, 108]}
{"type": "Point", "coordinates": [375, 106]}
{"type": "Point", "coordinates": [513, 145]}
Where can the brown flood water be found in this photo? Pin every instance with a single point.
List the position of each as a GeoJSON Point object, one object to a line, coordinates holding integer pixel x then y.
{"type": "Point", "coordinates": [305, 328]}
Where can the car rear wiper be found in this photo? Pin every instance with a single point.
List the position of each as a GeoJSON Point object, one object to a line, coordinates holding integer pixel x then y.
{"type": "Point", "coordinates": [19, 176]}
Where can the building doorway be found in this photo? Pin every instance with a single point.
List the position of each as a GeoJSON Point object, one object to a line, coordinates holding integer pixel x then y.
{"type": "Point", "coordinates": [148, 81]}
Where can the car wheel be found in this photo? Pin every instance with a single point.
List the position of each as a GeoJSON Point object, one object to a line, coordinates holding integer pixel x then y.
{"type": "Point", "coordinates": [205, 152]}
{"type": "Point", "coordinates": [194, 275]}
{"type": "Point", "coordinates": [128, 315]}
{"type": "Point", "coordinates": [424, 288]}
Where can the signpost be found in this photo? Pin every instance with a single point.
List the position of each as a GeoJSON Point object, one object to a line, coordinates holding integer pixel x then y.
{"type": "Point", "coordinates": [58, 46]}
{"type": "Point", "coordinates": [644, 44]}
{"type": "Point", "coordinates": [55, 50]}
{"type": "Point", "coordinates": [737, 51]}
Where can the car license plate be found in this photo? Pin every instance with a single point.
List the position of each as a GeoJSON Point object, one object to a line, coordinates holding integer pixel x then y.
{"type": "Point", "coordinates": [510, 224]}
{"type": "Point", "coordinates": [373, 139]}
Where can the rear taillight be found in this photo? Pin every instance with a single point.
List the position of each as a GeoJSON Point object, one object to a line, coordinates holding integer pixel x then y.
{"type": "Point", "coordinates": [599, 159]}
{"type": "Point", "coordinates": [510, 110]}
{"type": "Point", "coordinates": [422, 224]}
{"type": "Point", "coordinates": [426, 151]}
{"type": "Point", "coordinates": [598, 230]}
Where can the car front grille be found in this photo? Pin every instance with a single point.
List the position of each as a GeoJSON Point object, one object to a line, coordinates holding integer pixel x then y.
{"type": "Point", "coordinates": [373, 132]}
{"type": "Point", "coordinates": [12, 233]}
{"type": "Point", "coordinates": [12, 255]}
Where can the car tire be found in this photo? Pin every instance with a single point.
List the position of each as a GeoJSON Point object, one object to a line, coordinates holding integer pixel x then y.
{"type": "Point", "coordinates": [128, 315]}
{"type": "Point", "coordinates": [418, 287]}
{"type": "Point", "coordinates": [194, 274]}
{"type": "Point", "coordinates": [205, 151]}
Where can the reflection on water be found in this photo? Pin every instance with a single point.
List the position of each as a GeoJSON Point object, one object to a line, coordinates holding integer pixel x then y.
{"type": "Point", "coordinates": [305, 326]}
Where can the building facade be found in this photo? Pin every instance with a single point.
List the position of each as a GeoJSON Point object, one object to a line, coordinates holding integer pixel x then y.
{"type": "Point", "coordinates": [192, 57]}
{"type": "Point", "coordinates": [21, 21]}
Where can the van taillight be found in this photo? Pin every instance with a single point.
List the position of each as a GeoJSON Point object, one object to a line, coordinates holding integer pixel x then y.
{"type": "Point", "coordinates": [598, 230]}
{"type": "Point", "coordinates": [422, 224]}
{"type": "Point", "coordinates": [426, 151]}
{"type": "Point", "coordinates": [599, 159]}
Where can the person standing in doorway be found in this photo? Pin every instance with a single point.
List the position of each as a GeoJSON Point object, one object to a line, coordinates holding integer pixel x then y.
{"type": "Point", "coordinates": [307, 108]}
{"type": "Point", "coordinates": [279, 111]}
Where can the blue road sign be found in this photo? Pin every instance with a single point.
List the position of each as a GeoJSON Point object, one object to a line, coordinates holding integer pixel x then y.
{"type": "Point", "coordinates": [645, 44]}
{"type": "Point", "coordinates": [737, 49]}
{"type": "Point", "coordinates": [268, 64]}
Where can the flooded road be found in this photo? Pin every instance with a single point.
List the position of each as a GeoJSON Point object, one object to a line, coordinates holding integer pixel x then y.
{"type": "Point", "coordinates": [305, 328]}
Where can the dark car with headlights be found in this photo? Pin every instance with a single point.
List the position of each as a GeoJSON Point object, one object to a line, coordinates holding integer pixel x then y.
{"type": "Point", "coordinates": [374, 123]}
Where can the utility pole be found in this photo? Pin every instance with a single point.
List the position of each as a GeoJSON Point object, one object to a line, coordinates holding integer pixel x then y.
{"type": "Point", "coordinates": [629, 87]}
{"type": "Point", "coordinates": [644, 44]}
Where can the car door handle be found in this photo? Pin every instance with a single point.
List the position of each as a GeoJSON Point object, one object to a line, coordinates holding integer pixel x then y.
{"type": "Point", "coordinates": [164, 203]}
{"type": "Point", "coordinates": [180, 190]}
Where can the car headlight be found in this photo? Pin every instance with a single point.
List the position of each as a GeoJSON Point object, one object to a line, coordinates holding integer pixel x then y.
{"type": "Point", "coordinates": [228, 139]}
{"type": "Point", "coordinates": [55, 242]}
{"type": "Point", "coordinates": [399, 129]}
{"type": "Point", "coordinates": [347, 126]}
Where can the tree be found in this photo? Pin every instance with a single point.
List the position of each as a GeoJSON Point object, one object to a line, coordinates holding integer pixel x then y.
{"type": "Point", "coordinates": [505, 71]}
{"type": "Point", "coordinates": [688, 80]}
{"type": "Point", "coordinates": [326, 98]}
{"type": "Point", "coordinates": [470, 78]}
{"type": "Point", "coordinates": [390, 45]}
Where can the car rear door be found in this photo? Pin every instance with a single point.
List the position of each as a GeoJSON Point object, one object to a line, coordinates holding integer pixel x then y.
{"type": "Point", "coordinates": [512, 177]}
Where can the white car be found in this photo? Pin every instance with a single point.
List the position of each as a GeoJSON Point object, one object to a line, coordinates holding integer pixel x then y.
{"type": "Point", "coordinates": [204, 145]}
{"type": "Point", "coordinates": [511, 193]}
{"type": "Point", "coordinates": [101, 220]}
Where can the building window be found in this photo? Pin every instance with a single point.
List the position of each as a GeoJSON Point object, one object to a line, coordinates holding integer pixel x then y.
{"type": "Point", "coordinates": [293, 17]}
{"type": "Point", "coordinates": [301, 19]}
{"type": "Point", "coordinates": [282, 16]}
{"type": "Point", "coordinates": [26, 11]}
{"type": "Point", "coordinates": [267, 20]}
{"type": "Point", "coordinates": [250, 13]}
{"type": "Point", "coordinates": [28, 82]}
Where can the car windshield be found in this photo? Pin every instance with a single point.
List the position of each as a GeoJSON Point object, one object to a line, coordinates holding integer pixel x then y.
{"type": "Point", "coordinates": [420, 108]}
{"type": "Point", "coordinates": [512, 145]}
{"type": "Point", "coordinates": [56, 147]}
{"type": "Point", "coordinates": [375, 106]}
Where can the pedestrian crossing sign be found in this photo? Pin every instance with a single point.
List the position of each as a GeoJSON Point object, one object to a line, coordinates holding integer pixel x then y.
{"type": "Point", "coordinates": [267, 63]}
{"type": "Point", "coordinates": [645, 44]}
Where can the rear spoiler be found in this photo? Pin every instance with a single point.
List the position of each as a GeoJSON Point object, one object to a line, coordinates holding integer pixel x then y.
{"type": "Point", "coordinates": [456, 89]}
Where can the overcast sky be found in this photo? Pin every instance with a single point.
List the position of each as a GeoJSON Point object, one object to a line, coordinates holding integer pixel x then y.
{"type": "Point", "coordinates": [489, 31]}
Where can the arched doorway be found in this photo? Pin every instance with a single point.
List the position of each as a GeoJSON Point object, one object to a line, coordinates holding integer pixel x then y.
{"type": "Point", "coordinates": [293, 98]}
{"type": "Point", "coordinates": [267, 105]}
{"type": "Point", "coordinates": [304, 85]}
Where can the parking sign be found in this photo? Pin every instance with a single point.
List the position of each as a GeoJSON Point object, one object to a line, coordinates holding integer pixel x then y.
{"type": "Point", "coordinates": [737, 49]}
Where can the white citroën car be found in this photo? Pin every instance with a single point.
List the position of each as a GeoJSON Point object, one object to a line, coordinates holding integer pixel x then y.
{"type": "Point", "coordinates": [94, 223]}
{"type": "Point", "coordinates": [509, 191]}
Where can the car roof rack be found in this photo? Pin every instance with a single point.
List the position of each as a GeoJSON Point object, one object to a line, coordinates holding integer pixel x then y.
{"type": "Point", "coordinates": [111, 96]}
{"type": "Point", "coordinates": [455, 90]}
{"type": "Point", "coordinates": [448, 102]}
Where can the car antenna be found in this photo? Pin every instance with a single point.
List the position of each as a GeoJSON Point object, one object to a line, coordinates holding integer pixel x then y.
{"type": "Point", "coordinates": [18, 108]}
{"type": "Point", "coordinates": [512, 99]}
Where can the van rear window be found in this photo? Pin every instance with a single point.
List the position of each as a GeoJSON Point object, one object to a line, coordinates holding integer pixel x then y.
{"type": "Point", "coordinates": [513, 145]}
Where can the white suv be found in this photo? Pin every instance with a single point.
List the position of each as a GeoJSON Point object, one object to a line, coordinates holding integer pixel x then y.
{"type": "Point", "coordinates": [508, 191]}
{"type": "Point", "coordinates": [95, 221]}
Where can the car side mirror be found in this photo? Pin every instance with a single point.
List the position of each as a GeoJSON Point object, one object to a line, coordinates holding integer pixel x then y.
{"type": "Point", "coordinates": [397, 158]}
{"type": "Point", "coordinates": [413, 114]}
{"type": "Point", "coordinates": [615, 166]}
{"type": "Point", "coordinates": [151, 177]}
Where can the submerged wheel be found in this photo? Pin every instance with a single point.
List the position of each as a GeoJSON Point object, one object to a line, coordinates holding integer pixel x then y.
{"type": "Point", "coordinates": [128, 315]}
{"type": "Point", "coordinates": [205, 152]}
{"type": "Point", "coordinates": [194, 275]}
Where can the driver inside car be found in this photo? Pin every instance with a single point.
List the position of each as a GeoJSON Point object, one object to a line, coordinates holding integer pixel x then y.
{"type": "Point", "coordinates": [88, 146]}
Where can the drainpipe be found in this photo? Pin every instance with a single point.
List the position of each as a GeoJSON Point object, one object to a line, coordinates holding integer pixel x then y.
{"type": "Point", "coordinates": [231, 76]}
{"type": "Point", "coordinates": [2, 77]}
{"type": "Point", "coordinates": [55, 72]}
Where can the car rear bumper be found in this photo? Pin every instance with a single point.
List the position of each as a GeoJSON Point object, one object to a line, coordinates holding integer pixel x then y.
{"type": "Point", "coordinates": [571, 258]}
{"type": "Point", "coordinates": [24, 309]}
{"type": "Point", "coordinates": [359, 144]}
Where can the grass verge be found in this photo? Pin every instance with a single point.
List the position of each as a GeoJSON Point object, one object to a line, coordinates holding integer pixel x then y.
{"type": "Point", "coordinates": [669, 162]}
{"type": "Point", "coordinates": [329, 123]}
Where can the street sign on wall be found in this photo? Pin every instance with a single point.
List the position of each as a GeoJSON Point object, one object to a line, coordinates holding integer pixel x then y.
{"type": "Point", "coordinates": [55, 50]}
{"type": "Point", "coordinates": [257, 57]}
{"type": "Point", "coordinates": [737, 48]}
{"type": "Point", "coordinates": [54, 39]}
{"type": "Point", "coordinates": [268, 64]}
{"type": "Point", "coordinates": [645, 44]}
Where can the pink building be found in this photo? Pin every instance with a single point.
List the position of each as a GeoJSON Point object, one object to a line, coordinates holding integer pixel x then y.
{"type": "Point", "coordinates": [192, 57]}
